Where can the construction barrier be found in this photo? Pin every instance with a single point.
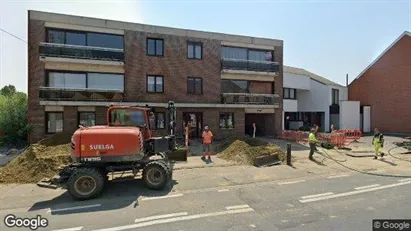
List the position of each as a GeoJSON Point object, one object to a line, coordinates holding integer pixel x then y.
{"type": "Point", "coordinates": [338, 138]}
{"type": "Point", "coordinates": [351, 134]}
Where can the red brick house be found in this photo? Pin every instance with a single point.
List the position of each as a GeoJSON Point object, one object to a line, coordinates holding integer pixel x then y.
{"type": "Point", "coordinates": [79, 65]}
{"type": "Point", "coordinates": [385, 85]}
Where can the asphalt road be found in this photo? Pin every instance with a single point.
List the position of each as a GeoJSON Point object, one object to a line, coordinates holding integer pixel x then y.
{"type": "Point", "coordinates": [334, 202]}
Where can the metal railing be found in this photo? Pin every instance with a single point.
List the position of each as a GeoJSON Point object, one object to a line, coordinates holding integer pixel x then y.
{"type": "Point", "coordinates": [80, 94]}
{"type": "Point", "coordinates": [80, 52]}
{"type": "Point", "coordinates": [250, 98]}
{"type": "Point", "coordinates": [250, 65]}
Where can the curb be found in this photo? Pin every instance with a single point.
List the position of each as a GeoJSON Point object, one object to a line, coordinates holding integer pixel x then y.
{"type": "Point", "coordinates": [205, 166]}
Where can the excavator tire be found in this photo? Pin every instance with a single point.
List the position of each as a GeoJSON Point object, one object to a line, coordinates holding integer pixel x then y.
{"type": "Point", "coordinates": [156, 174]}
{"type": "Point", "coordinates": [86, 183]}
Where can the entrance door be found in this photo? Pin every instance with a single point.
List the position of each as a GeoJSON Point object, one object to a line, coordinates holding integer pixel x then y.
{"type": "Point", "coordinates": [195, 122]}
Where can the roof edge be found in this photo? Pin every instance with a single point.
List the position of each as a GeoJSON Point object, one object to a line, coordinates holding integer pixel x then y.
{"type": "Point", "coordinates": [128, 24]}
{"type": "Point", "coordinates": [310, 75]}
{"type": "Point", "coordinates": [382, 53]}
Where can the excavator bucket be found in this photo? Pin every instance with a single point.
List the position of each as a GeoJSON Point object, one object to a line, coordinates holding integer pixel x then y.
{"type": "Point", "coordinates": [180, 154]}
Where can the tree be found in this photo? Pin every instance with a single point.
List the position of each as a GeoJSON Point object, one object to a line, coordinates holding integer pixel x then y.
{"type": "Point", "coordinates": [13, 116]}
{"type": "Point", "coordinates": [8, 90]}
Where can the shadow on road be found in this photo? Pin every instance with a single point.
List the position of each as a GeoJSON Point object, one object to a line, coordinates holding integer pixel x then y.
{"type": "Point", "coordinates": [116, 195]}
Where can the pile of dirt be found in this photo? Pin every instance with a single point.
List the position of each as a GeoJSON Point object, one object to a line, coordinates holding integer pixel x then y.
{"type": "Point", "coordinates": [57, 139]}
{"type": "Point", "coordinates": [38, 161]}
{"type": "Point", "coordinates": [231, 139]}
{"type": "Point", "coordinates": [244, 152]}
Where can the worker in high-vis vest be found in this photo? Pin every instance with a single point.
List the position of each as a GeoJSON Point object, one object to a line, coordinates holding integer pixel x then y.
{"type": "Point", "coordinates": [312, 140]}
{"type": "Point", "coordinates": [378, 142]}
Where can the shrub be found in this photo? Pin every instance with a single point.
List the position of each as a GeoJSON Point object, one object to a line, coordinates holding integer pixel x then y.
{"type": "Point", "coordinates": [13, 118]}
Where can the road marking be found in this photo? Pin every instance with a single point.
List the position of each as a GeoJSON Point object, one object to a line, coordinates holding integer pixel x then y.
{"type": "Point", "coordinates": [354, 192]}
{"type": "Point", "coordinates": [291, 182]}
{"type": "Point", "coordinates": [317, 195]}
{"type": "Point", "coordinates": [338, 176]}
{"type": "Point", "coordinates": [161, 197]}
{"type": "Point", "coordinates": [161, 217]}
{"type": "Point", "coordinates": [73, 208]}
{"type": "Point", "coordinates": [367, 186]}
{"type": "Point", "coordinates": [406, 179]}
{"type": "Point", "coordinates": [175, 219]}
{"type": "Point", "coordinates": [223, 190]}
{"type": "Point", "coordinates": [237, 207]}
{"type": "Point", "coordinates": [70, 229]}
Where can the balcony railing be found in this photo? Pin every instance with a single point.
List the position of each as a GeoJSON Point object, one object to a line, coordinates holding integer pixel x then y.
{"type": "Point", "coordinates": [59, 94]}
{"type": "Point", "coordinates": [80, 52]}
{"type": "Point", "coordinates": [250, 65]}
{"type": "Point", "coordinates": [250, 98]}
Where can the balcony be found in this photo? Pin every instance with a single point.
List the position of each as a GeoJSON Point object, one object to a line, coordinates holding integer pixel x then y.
{"type": "Point", "coordinates": [249, 65]}
{"type": "Point", "coordinates": [250, 98]}
{"type": "Point", "coordinates": [61, 94]}
{"type": "Point", "coordinates": [80, 52]}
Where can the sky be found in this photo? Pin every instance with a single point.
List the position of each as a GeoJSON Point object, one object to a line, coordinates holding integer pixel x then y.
{"type": "Point", "coordinates": [330, 38]}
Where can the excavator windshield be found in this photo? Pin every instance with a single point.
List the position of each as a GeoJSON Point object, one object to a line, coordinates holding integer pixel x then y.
{"type": "Point", "coordinates": [127, 117]}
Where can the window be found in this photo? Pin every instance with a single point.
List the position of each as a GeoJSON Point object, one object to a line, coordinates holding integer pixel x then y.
{"type": "Point", "coordinates": [104, 81]}
{"type": "Point", "coordinates": [235, 86]}
{"type": "Point", "coordinates": [73, 38]}
{"type": "Point", "coordinates": [246, 54]}
{"type": "Point", "coordinates": [54, 122]}
{"type": "Point", "coordinates": [126, 117]}
{"type": "Point", "coordinates": [335, 96]}
{"type": "Point", "coordinates": [158, 121]}
{"type": "Point", "coordinates": [194, 85]}
{"type": "Point", "coordinates": [155, 47]}
{"type": "Point", "coordinates": [67, 80]}
{"type": "Point", "coordinates": [155, 84]}
{"type": "Point", "coordinates": [226, 120]}
{"type": "Point", "coordinates": [85, 38]}
{"type": "Point", "coordinates": [105, 40]}
{"type": "Point", "coordinates": [194, 50]}
{"type": "Point", "coordinates": [290, 93]}
{"type": "Point", "coordinates": [87, 119]}
{"type": "Point", "coordinates": [100, 81]}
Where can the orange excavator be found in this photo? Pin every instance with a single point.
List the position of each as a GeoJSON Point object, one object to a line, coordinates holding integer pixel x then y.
{"type": "Point", "coordinates": [124, 144]}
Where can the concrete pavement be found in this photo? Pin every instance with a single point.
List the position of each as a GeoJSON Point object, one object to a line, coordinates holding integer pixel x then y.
{"type": "Point", "coordinates": [330, 202]}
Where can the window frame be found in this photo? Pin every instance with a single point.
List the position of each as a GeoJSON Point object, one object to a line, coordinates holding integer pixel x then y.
{"type": "Point", "coordinates": [47, 72]}
{"type": "Point", "coordinates": [194, 79]}
{"type": "Point", "coordinates": [226, 127]}
{"type": "Point", "coordinates": [155, 121]}
{"type": "Point", "coordinates": [155, 84]}
{"type": "Point", "coordinates": [286, 89]}
{"type": "Point", "coordinates": [155, 47]}
{"type": "Point", "coordinates": [92, 112]}
{"type": "Point", "coordinates": [194, 44]}
{"type": "Point", "coordinates": [81, 32]}
{"type": "Point", "coordinates": [333, 101]}
{"type": "Point", "coordinates": [252, 49]}
{"type": "Point", "coordinates": [46, 127]}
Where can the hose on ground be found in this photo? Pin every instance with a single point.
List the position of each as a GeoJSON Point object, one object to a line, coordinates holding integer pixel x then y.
{"type": "Point", "coordinates": [396, 157]}
{"type": "Point", "coordinates": [326, 155]}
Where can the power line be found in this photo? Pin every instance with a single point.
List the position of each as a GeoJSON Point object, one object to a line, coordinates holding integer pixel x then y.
{"type": "Point", "coordinates": [15, 36]}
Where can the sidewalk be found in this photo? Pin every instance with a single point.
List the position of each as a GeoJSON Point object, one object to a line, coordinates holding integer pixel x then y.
{"type": "Point", "coordinates": [197, 162]}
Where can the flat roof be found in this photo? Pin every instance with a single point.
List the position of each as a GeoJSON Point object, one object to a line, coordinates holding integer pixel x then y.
{"type": "Point", "coordinates": [112, 24]}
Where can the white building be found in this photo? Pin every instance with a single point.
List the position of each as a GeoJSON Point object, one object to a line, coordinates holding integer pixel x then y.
{"type": "Point", "coordinates": [311, 99]}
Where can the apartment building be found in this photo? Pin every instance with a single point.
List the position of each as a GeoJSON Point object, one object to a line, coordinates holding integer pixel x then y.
{"type": "Point", "coordinates": [79, 65]}
{"type": "Point", "coordinates": [311, 99]}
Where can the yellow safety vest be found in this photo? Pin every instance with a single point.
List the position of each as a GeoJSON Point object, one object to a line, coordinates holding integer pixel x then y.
{"type": "Point", "coordinates": [311, 138]}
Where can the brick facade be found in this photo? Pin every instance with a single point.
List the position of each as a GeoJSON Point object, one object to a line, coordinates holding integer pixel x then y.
{"type": "Point", "coordinates": [36, 78]}
{"type": "Point", "coordinates": [174, 66]}
{"type": "Point", "coordinates": [386, 87]}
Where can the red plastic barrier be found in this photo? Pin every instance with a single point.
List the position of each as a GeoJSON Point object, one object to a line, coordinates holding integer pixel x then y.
{"type": "Point", "coordinates": [351, 134]}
